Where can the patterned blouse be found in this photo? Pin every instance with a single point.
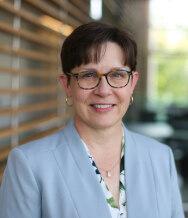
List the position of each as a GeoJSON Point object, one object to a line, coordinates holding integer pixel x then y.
{"type": "Point", "coordinates": [115, 211]}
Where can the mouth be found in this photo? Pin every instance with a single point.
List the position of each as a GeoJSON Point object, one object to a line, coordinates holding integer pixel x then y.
{"type": "Point", "coordinates": [102, 106]}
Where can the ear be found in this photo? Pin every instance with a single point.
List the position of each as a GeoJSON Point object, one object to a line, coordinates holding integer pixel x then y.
{"type": "Point", "coordinates": [135, 77]}
{"type": "Point", "coordinates": [65, 84]}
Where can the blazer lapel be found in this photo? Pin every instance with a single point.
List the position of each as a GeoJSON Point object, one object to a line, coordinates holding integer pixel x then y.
{"type": "Point", "coordinates": [77, 171]}
{"type": "Point", "coordinates": [139, 180]}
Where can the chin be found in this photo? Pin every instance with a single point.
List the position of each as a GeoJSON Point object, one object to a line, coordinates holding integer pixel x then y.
{"type": "Point", "coordinates": [99, 122]}
{"type": "Point", "coordinates": [102, 123]}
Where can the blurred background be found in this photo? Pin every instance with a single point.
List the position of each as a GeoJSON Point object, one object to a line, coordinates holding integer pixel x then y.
{"type": "Point", "coordinates": [32, 103]}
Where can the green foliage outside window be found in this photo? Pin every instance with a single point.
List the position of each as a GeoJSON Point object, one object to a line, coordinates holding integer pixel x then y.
{"type": "Point", "coordinates": [172, 80]}
{"type": "Point", "coordinates": [171, 70]}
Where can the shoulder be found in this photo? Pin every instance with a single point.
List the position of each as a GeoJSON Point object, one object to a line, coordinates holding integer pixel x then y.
{"type": "Point", "coordinates": [37, 150]}
{"type": "Point", "coordinates": [151, 151]}
{"type": "Point", "coordinates": [151, 145]}
{"type": "Point", "coordinates": [41, 150]}
{"type": "Point", "coordinates": [36, 158]}
{"type": "Point", "coordinates": [44, 144]}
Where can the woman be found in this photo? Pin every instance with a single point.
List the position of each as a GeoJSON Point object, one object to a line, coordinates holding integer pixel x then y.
{"type": "Point", "coordinates": [94, 167]}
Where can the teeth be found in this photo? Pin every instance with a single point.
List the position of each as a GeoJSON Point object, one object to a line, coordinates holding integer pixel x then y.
{"type": "Point", "coordinates": [102, 105]}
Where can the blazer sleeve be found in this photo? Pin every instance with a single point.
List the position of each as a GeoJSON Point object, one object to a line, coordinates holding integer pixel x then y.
{"type": "Point", "coordinates": [19, 192]}
{"type": "Point", "coordinates": [177, 208]}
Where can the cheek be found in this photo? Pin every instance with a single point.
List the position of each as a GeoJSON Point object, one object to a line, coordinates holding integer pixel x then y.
{"type": "Point", "coordinates": [80, 96]}
{"type": "Point", "coordinates": [124, 96]}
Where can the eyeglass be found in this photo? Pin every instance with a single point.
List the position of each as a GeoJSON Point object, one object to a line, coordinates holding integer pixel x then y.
{"type": "Point", "coordinates": [90, 79]}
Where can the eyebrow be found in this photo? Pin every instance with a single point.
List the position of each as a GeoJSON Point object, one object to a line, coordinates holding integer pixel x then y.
{"type": "Point", "coordinates": [85, 69]}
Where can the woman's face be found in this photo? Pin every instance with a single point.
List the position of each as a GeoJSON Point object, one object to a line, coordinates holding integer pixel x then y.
{"type": "Point", "coordinates": [103, 106]}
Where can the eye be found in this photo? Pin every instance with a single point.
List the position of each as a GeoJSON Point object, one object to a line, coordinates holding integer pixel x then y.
{"type": "Point", "coordinates": [87, 75]}
{"type": "Point", "coordinates": [118, 74]}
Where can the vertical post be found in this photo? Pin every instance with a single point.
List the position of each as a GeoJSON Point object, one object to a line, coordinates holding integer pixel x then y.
{"type": "Point", "coordinates": [15, 83]}
{"type": "Point", "coordinates": [137, 21]}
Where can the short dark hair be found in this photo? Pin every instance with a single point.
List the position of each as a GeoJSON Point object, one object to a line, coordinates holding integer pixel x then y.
{"type": "Point", "coordinates": [84, 45]}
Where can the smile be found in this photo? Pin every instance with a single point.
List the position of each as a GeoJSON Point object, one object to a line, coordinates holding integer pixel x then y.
{"type": "Point", "coordinates": [102, 106]}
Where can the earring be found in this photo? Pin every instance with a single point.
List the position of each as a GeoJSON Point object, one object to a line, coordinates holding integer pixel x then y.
{"type": "Point", "coordinates": [131, 100]}
{"type": "Point", "coordinates": [67, 100]}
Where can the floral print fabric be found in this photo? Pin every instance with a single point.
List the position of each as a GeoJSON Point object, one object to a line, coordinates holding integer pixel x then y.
{"type": "Point", "coordinates": [114, 210]}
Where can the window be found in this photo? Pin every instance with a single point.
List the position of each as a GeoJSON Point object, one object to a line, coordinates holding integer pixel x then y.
{"type": "Point", "coordinates": [168, 53]}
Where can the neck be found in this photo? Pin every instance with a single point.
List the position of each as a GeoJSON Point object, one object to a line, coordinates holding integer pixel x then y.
{"type": "Point", "coordinates": [108, 139]}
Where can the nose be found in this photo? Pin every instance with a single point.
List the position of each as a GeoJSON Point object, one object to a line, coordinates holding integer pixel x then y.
{"type": "Point", "coordinates": [103, 89]}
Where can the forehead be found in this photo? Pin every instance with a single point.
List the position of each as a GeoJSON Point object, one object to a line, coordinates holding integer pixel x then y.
{"type": "Point", "coordinates": [112, 51]}
{"type": "Point", "coordinates": [111, 55]}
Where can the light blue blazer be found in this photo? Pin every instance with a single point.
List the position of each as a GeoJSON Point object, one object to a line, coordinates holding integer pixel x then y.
{"type": "Point", "coordinates": [53, 178]}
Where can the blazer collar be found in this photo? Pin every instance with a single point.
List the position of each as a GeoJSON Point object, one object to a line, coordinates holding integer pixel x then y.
{"type": "Point", "coordinates": [83, 185]}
